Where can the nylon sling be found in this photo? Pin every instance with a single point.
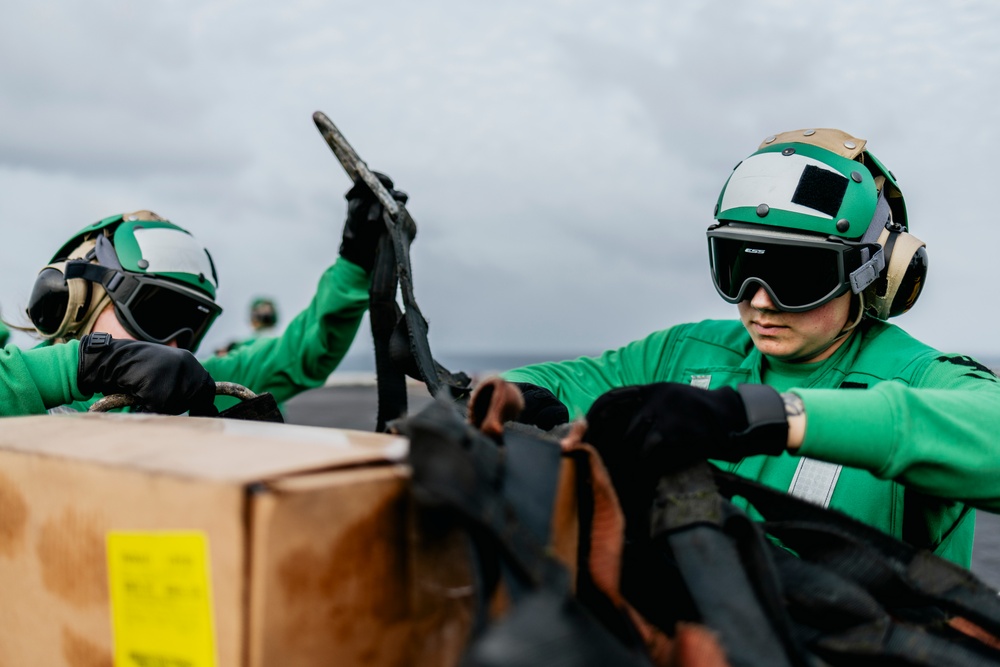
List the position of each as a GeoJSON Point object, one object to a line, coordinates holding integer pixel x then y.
{"type": "Point", "coordinates": [854, 595]}
{"type": "Point", "coordinates": [401, 346]}
{"type": "Point", "coordinates": [807, 584]}
{"type": "Point", "coordinates": [501, 491]}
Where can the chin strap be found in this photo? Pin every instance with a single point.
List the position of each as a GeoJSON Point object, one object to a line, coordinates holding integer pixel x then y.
{"type": "Point", "coordinates": [846, 331]}
{"type": "Point", "coordinates": [848, 328]}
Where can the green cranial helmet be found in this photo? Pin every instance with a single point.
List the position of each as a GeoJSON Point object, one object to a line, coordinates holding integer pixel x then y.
{"type": "Point", "coordinates": [810, 216]}
{"type": "Point", "coordinates": [147, 244]}
{"type": "Point", "coordinates": [161, 281]}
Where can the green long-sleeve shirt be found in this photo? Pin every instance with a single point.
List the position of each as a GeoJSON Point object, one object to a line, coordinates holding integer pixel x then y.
{"type": "Point", "coordinates": [32, 381]}
{"type": "Point", "coordinates": [301, 358]}
{"type": "Point", "coordinates": [915, 430]}
{"type": "Point", "coordinates": [310, 347]}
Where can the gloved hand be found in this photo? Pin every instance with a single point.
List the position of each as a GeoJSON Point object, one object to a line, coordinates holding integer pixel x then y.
{"type": "Point", "coordinates": [364, 222]}
{"type": "Point", "coordinates": [541, 407]}
{"type": "Point", "coordinates": [163, 379]}
{"type": "Point", "coordinates": [641, 431]}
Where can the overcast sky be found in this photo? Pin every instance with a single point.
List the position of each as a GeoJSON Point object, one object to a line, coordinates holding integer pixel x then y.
{"type": "Point", "coordinates": [562, 158]}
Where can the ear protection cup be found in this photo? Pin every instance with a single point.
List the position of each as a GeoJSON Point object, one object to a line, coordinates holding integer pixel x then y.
{"type": "Point", "coordinates": [55, 303]}
{"type": "Point", "coordinates": [59, 307]}
{"type": "Point", "coordinates": [898, 287]}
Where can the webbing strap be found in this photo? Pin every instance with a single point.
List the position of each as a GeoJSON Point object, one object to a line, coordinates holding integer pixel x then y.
{"type": "Point", "coordinates": [383, 312]}
{"type": "Point", "coordinates": [843, 623]}
{"type": "Point", "coordinates": [711, 542]}
{"type": "Point", "coordinates": [401, 346]}
{"type": "Point", "coordinates": [392, 268]}
{"type": "Point", "coordinates": [850, 594]}
{"type": "Point", "coordinates": [504, 495]}
{"type": "Point", "coordinates": [880, 563]}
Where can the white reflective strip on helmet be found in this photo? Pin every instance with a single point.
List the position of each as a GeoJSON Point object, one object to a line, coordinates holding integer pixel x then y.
{"type": "Point", "coordinates": [770, 178]}
{"type": "Point", "coordinates": [173, 251]}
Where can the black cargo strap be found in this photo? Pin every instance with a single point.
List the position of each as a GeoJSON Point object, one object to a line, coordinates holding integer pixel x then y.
{"type": "Point", "coordinates": [502, 496]}
{"type": "Point", "coordinates": [505, 491]}
{"type": "Point", "coordinates": [844, 623]}
{"type": "Point", "coordinates": [260, 408]}
{"type": "Point", "coordinates": [835, 590]}
{"type": "Point", "coordinates": [890, 569]}
{"type": "Point", "coordinates": [851, 593]}
{"type": "Point", "coordinates": [384, 313]}
{"type": "Point", "coordinates": [401, 346]}
{"type": "Point", "coordinates": [711, 543]}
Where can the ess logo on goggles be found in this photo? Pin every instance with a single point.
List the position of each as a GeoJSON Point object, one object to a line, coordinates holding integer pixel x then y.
{"type": "Point", "coordinates": [151, 308]}
{"type": "Point", "coordinates": [799, 271]}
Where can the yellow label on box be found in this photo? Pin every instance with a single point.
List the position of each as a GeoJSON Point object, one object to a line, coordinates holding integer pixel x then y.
{"type": "Point", "coordinates": [161, 599]}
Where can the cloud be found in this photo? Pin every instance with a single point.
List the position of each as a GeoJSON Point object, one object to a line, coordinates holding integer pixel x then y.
{"type": "Point", "coordinates": [109, 89]}
{"type": "Point", "coordinates": [562, 158]}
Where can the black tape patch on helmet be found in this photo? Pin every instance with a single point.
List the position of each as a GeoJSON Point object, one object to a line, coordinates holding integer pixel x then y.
{"type": "Point", "coordinates": [820, 189]}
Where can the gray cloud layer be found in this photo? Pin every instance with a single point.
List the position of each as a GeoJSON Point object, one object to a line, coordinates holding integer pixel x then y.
{"type": "Point", "coordinates": [562, 158]}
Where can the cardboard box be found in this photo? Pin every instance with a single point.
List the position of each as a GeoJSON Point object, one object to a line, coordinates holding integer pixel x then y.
{"type": "Point", "coordinates": [172, 541]}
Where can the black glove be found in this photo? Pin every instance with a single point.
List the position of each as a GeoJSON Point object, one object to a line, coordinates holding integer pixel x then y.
{"type": "Point", "coordinates": [163, 379]}
{"type": "Point", "coordinates": [364, 222]}
{"type": "Point", "coordinates": [541, 407]}
{"type": "Point", "coordinates": [641, 431]}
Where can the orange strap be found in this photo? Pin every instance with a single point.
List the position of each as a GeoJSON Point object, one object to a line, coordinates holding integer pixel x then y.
{"type": "Point", "coordinates": [693, 645]}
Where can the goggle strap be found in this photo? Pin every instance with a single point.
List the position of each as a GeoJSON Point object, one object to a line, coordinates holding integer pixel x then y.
{"type": "Point", "coordinates": [878, 221]}
{"type": "Point", "coordinates": [119, 286]}
{"type": "Point", "coordinates": [867, 273]}
{"type": "Point", "coordinates": [81, 268]}
{"type": "Point", "coordinates": [104, 250]}
{"type": "Point", "coordinates": [872, 264]}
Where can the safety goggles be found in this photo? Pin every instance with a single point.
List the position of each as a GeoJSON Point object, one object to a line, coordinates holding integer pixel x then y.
{"type": "Point", "coordinates": [151, 308]}
{"type": "Point", "coordinates": [798, 271]}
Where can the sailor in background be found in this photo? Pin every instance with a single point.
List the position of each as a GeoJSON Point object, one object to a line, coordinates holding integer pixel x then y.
{"type": "Point", "coordinates": [263, 323]}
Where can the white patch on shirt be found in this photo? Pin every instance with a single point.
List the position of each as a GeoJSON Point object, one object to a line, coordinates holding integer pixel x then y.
{"type": "Point", "coordinates": [814, 481]}
{"type": "Point", "coordinates": [701, 381]}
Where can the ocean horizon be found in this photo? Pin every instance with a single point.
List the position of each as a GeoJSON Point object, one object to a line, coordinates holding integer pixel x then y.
{"type": "Point", "coordinates": [471, 363]}
{"type": "Point", "coordinates": [361, 367]}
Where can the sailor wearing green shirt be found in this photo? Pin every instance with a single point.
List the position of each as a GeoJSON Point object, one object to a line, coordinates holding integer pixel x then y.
{"type": "Point", "coordinates": [811, 390]}
{"type": "Point", "coordinates": [141, 277]}
{"type": "Point", "coordinates": [164, 379]}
